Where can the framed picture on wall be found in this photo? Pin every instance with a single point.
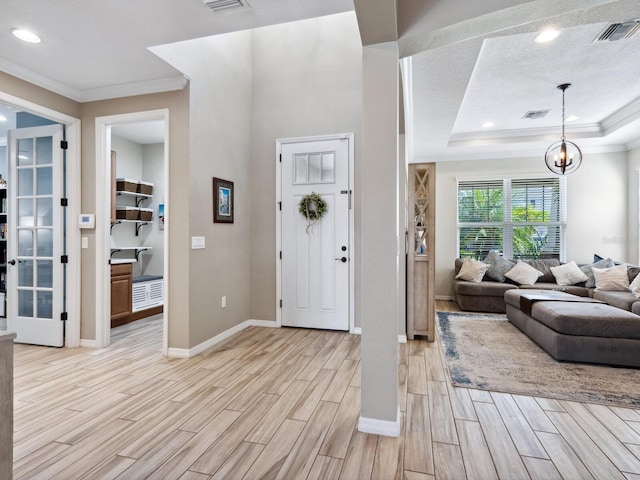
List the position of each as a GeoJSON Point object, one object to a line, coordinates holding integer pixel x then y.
{"type": "Point", "coordinates": [222, 201]}
{"type": "Point", "coordinates": [161, 216]}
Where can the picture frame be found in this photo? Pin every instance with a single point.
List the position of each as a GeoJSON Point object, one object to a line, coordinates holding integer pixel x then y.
{"type": "Point", "coordinates": [223, 197]}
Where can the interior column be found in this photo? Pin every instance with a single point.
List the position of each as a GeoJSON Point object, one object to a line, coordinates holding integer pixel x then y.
{"type": "Point", "coordinates": [378, 172]}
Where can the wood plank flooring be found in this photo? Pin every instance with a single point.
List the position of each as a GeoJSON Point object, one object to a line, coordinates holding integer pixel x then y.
{"type": "Point", "coordinates": [284, 404]}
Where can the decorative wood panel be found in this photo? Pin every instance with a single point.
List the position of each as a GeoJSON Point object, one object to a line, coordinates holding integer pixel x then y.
{"type": "Point", "coordinates": [421, 252]}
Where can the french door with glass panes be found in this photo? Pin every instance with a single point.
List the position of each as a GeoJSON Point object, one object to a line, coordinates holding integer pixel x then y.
{"type": "Point", "coordinates": [35, 274]}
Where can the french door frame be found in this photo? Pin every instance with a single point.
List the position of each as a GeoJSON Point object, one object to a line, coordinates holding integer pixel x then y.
{"type": "Point", "coordinates": [103, 224]}
{"type": "Point", "coordinates": [279, 143]}
{"type": "Point", "coordinates": [73, 137]}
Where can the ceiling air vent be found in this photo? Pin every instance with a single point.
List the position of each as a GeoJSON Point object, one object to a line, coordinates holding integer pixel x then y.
{"type": "Point", "coordinates": [618, 31]}
{"type": "Point", "coordinates": [219, 5]}
{"type": "Point", "coordinates": [535, 114]}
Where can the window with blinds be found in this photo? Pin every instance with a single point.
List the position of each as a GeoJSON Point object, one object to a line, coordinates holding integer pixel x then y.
{"type": "Point", "coordinates": [522, 218]}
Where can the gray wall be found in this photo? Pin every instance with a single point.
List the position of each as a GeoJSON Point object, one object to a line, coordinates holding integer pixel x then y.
{"type": "Point", "coordinates": [307, 80]}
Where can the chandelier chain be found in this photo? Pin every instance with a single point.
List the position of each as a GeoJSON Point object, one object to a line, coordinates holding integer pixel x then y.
{"type": "Point", "coordinates": [562, 115]}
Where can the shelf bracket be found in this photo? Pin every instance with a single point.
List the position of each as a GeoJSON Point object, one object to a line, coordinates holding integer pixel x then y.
{"type": "Point", "coordinates": [114, 251]}
{"type": "Point", "coordinates": [138, 225]}
{"type": "Point", "coordinates": [138, 252]}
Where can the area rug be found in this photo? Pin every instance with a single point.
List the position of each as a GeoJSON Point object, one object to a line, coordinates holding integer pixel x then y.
{"type": "Point", "coordinates": [487, 352]}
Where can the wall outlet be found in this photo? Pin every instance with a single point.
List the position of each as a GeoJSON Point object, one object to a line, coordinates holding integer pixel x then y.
{"type": "Point", "coordinates": [223, 302]}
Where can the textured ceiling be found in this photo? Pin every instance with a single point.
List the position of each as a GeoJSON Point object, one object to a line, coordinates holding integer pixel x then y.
{"type": "Point", "coordinates": [500, 75]}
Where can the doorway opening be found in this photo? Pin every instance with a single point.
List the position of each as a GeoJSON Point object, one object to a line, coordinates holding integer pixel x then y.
{"type": "Point", "coordinates": [132, 237]}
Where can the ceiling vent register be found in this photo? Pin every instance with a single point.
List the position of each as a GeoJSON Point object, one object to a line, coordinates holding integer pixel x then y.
{"type": "Point", "coordinates": [618, 31]}
{"type": "Point", "coordinates": [535, 114]}
{"type": "Point", "coordinates": [219, 5]}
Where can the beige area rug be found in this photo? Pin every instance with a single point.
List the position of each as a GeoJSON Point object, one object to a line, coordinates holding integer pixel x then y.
{"type": "Point", "coordinates": [487, 352]}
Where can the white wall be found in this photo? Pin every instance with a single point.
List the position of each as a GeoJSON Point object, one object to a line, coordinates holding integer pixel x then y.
{"type": "Point", "coordinates": [141, 162]}
{"type": "Point", "coordinates": [128, 165]}
{"type": "Point", "coordinates": [596, 207]}
{"type": "Point", "coordinates": [633, 170]}
{"type": "Point", "coordinates": [152, 235]}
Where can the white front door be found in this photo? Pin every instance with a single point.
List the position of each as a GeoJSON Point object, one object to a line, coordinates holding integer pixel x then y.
{"type": "Point", "coordinates": [315, 258]}
{"type": "Point", "coordinates": [35, 279]}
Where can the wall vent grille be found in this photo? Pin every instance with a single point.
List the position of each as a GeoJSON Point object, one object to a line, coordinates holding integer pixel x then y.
{"type": "Point", "coordinates": [618, 31]}
{"type": "Point", "coordinates": [535, 114]}
{"type": "Point", "coordinates": [219, 5]}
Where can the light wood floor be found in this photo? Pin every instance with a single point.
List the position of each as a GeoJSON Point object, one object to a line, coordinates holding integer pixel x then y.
{"type": "Point", "coordinates": [283, 403]}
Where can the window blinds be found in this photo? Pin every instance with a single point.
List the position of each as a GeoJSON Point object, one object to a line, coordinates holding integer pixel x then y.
{"type": "Point", "coordinates": [522, 218]}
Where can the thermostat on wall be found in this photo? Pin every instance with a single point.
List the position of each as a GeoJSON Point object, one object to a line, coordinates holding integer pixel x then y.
{"type": "Point", "coordinates": [87, 220]}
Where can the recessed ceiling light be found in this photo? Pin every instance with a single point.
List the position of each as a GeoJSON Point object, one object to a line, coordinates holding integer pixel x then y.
{"type": "Point", "coordinates": [487, 124]}
{"type": "Point", "coordinates": [26, 35]}
{"type": "Point", "coordinates": [3, 118]}
{"type": "Point", "coordinates": [547, 35]}
{"type": "Point", "coordinates": [571, 118]}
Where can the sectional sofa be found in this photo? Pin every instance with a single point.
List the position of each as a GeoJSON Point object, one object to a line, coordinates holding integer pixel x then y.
{"type": "Point", "coordinates": [488, 294]}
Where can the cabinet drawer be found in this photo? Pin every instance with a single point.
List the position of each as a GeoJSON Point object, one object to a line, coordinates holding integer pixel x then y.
{"type": "Point", "coordinates": [122, 269]}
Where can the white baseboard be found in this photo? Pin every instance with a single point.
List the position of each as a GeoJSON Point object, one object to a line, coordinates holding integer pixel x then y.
{"type": "Point", "coordinates": [192, 352]}
{"type": "Point", "coordinates": [88, 343]}
{"type": "Point", "coordinates": [380, 427]}
{"type": "Point", "coordinates": [358, 331]}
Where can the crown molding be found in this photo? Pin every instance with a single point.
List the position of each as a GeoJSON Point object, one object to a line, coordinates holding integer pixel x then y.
{"type": "Point", "coordinates": [494, 154]}
{"type": "Point", "coordinates": [35, 78]}
{"type": "Point", "coordinates": [622, 117]}
{"type": "Point", "coordinates": [176, 82]}
{"type": "Point", "coordinates": [546, 134]}
{"type": "Point", "coordinates": [167, 84]}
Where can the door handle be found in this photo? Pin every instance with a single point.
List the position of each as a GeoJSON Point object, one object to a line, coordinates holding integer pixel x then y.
{"type": "Point", "coordinates": [12, 262]}
{"type": "Point", "coordinates": [342, 259]}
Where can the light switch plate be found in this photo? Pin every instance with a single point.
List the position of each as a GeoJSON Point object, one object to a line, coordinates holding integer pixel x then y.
{"type": "Point", "coordinates": [197, 243]}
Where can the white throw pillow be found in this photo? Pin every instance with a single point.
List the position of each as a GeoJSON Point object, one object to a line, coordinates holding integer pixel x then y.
{"type": "Point", "coordinates": [611, 279]}
{"type": "Point", "coordinates": [635, 286]}
{"type": "Point", "coordinates": [568, 274]}
{"type": "Point", "coordinates": [472, 270]}
{"type": "Point", "coordinates": [523, 274]}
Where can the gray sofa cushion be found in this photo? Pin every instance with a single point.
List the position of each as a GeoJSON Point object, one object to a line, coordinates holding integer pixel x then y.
{"type": "Point", "coordinates": [482, 289]}
{"type": "Point", "coordinates": [498, 266]}
{"type": "Point", "coordinates": [544, 266]}
{"type": "Point", "coordinates": [623, 300]}
{"type": "Point", "coordinates": [572, 289]}
{"type": "Point", "coordinates": [587, 319]}
{"type": "Point", "coordinates": [591, 282]}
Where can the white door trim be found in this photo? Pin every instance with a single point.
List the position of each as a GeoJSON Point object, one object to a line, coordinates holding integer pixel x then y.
{"type": "Point", "coordinates": [279, 143]}
{"type": "Point", "coordinates": [103, 214]}
{"type": "Point", "coordinates": [73, 136]}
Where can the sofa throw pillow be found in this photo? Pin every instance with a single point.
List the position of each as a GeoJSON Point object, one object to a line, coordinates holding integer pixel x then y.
{"type": "Point", "coordinates": [523, 274]}
{"type": "Point", "coordinates": [472, 270]}
{"type": "Point", "coordinates": [635, 286]}
{"type": "Point", "coordinates": [568, 274]}
{"type": "Point", "coordinates": [611, 279]}
{"type": "Point", "coordinates": [586, 269]}
{"type": "Point", "coordinates": [498, 266]}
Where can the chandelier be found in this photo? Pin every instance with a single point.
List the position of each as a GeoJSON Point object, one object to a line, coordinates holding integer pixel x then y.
{"type": "Point", "coordinates": [563, 157]}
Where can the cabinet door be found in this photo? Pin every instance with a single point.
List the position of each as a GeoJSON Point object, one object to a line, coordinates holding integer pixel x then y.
{"type": "Point", "coordinates": [121, 284]}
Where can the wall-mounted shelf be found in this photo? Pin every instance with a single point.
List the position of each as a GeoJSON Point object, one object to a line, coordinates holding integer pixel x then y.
{"type": "Point", "coordinates": [136, 250]}
{"type": "Point", "coordinates": [139, 224]}
{"type": "Point", "coordinates": [139, 197]}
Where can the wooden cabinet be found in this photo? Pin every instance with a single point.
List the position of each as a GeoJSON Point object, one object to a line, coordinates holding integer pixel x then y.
{"type": "Point", "coordinates": [121, 287]}
{"type": "Point", "coordinates": [421, 252]}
